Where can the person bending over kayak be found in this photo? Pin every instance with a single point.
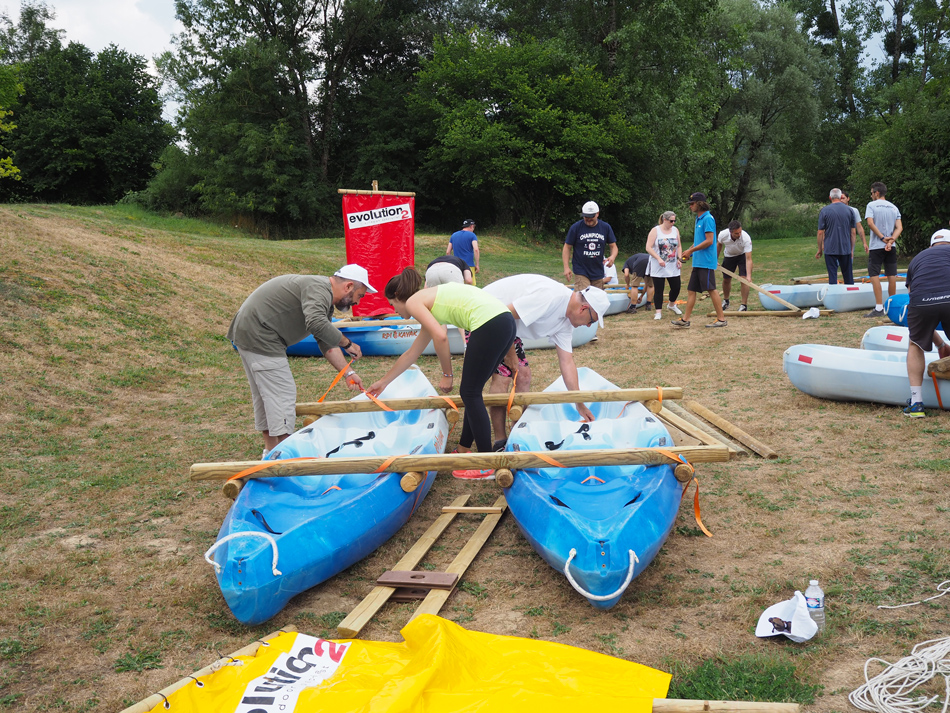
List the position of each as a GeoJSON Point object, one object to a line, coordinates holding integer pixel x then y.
{"type": "Point", "coordinates": [492, 329]}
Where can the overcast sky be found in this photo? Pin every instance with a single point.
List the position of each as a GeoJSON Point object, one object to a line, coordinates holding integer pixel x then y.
{"type": "Point", "coordinates": [141, 27]}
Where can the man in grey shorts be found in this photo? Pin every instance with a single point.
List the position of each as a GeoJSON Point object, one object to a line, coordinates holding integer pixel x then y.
{"type": "Point", "coordinates": [279, 313]}
{"type": "Point", "coordinates": [448, 268]}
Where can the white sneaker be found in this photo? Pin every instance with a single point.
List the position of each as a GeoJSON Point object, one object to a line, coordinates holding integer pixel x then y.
{"type": "Point", "coordinates": [658, 315]}
{"type": "Point", "coordinates": [673, 308]}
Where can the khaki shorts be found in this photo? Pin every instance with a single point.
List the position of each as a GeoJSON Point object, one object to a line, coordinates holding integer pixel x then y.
{"type": "Point", "coordinates": [443, 273]}
{"type": "Point", "coordinates": [273, 392]}
{"type": "Point", "coordinates": [582, 282]}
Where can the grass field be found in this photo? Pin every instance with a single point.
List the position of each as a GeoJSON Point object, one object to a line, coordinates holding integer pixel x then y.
{"type": "Point", "coordinates": [115, 377]}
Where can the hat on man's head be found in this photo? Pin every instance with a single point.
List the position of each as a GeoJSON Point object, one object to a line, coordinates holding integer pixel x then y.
{"type": "Point", "coordinates": [790, 618]}
{"type": "Point", "coordinates": [590, 209]}
{"type": "Point", "coordinates": [598, 301]}
{"type": "Point", "coordinates": [356, 273]}
{"type": "Point", "coordinates": [697, 197]}
{"type": "Point", "coordinates": [941, 236]}
{"type": "Point", "coordinates": [468, 223]}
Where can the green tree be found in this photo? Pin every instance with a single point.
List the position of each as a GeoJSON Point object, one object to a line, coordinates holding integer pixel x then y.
{"type": "Point", "coordinates": [88, 127]}
{"type": "Point", "coordinates": [526, 121]}
{"type": "Point", "coordinates": [29, 37]}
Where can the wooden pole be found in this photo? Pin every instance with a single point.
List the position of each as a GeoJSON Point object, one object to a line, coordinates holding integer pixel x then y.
{"type": "Point", "coordinates": [523, 399]}
{"type": "Point", "coordinates": [680, 705]}
{"type": "Point", "coordinates": [513, 460]}
{"type": "Point", "coordinates": [354, 622]}
{"type": "Point", "coordinates": [706, 428]}
{"type": "Point", "coordinates": [354, 192]}
{"type": "Point", "coordinates": [769, 313]}
{"type": "Point", "coordinates": [434, 600]}
{"type": "Point", "coordinates": [733, 430]}
{"type": "Point", "coordinates": [758, 289]}
{"type": "Point", "coordinates": [939, 368]}
{"type": "Point", "coordinates": [155, 699]}
{"type": "Point", "coordinates": [691, 430]}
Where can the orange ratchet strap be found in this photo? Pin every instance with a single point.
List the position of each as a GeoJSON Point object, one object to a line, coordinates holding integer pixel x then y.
{"type": "Point", "coordinates": [266, 464]}
{"type": "Point", "coordinates": [376, 401]}
{"type": "Point", "coordinates": [548, 459]}
{"type": "Point", "coordinates": [449, 401]}
{"type": "Point", "coordinates": [937, 389]}
{"type": "Point", "coordinates": [511, 396]}
{"type": "Point", "coordinates": [659, 391]}
{"type": "Point", "coordinates": [336, 380]}
{"type": "Point", "coordinates": [699, 520]}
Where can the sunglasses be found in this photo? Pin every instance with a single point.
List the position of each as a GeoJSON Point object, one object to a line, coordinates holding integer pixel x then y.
{"type": "Point", "coordinates": [671, 220]}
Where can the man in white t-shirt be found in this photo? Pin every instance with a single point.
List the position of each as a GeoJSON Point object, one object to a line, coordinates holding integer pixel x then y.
{"type": "Point", "coordinates": [610, 274]}
{"type": "Point", "coordinates": [736, 247]}
{"type": "Point", "coordinates": [543, 309]}
{"type": "Point", "coordinates": [884, 222]}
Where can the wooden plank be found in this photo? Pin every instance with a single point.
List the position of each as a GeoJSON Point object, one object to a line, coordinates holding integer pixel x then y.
{"type": "Point", "coordinates": [354, 622]}
{"type": "Point", "coordinates": [705, 427]}
{"type": "Point", "coordinates": [432, 604]}
{"type": "Point", "coordinates": [487, 510]}
{"type": "Point", "coordinates": [939, 368]}
{"type": "Point", "coordinates": [769, 313]}
{"type": "Point", "coordinates": [355, 192]}
{"type": "Point", "coordinates": [758, 289]}
{"type": "Point", "coordinates": [691, 430]}
{"type": "Point", "coordinates": [680, 705]}
{"type": "Point", "coordinates": [415, 578]}
{"type": "Point", "coordinates": [409, 594]}
{"type": "Point", "coordinates": [144, 706]}
{"type": "Point", "coordinates": [523, 399]}
{"type": "Point", "coordinates": [512, 460]}
{"type": "Point", "coordinates": [733, 430]}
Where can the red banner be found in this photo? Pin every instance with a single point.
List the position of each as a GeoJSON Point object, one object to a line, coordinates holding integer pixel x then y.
{"type": "Point", "coordinates": [380, 236]}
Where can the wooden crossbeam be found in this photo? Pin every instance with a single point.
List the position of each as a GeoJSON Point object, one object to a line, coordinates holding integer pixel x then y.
{"type": "Point", "coordinates": [758, 289]}
{"type": "Point", "coordinates": [526, 398]}
{"type": "Point", "coordinates": [512, 460]}
{"type": "Point", "coordinates": [733, 430]}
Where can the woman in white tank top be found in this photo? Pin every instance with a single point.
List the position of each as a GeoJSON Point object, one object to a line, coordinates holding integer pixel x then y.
{"type": "Point", "coordinates": [666, 260]}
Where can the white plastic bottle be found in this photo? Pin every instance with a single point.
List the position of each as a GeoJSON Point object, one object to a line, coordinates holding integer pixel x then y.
{"type": "Point", "coordinates": [815, 598]}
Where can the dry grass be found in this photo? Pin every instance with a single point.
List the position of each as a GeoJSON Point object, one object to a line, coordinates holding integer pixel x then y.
{"type": "Point", "coordinates": [115, 377]}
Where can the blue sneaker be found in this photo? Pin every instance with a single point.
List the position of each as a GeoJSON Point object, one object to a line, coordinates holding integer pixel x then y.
{"type": "Point", "coordinates": [915, 410]}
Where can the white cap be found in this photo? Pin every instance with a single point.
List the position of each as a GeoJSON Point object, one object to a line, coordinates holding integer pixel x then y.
{"type": "Point", "coordinates": [590, 209]}
{"type": "Point", "coordinates": [598, 301]}
{"type": "Point", "coordinates": [790, 618]}
{"type": "Point", "coordinates": [941, 236]}
{"type": "Point", "coordinates": [356, 273]}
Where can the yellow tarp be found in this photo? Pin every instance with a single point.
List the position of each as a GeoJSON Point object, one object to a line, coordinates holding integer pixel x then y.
{"type": "Point", "coordinates": [440, 668]}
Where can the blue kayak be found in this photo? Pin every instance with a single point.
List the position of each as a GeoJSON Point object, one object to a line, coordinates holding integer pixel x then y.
{"type": "Point", "coordinates": [599, 526]}
{"type": "Point", "coordinates": [393, 341]}
{"type": "Point", "coordinates": [308, 528]}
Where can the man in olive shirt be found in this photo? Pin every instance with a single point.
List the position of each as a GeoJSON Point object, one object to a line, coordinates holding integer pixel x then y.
{"type": "Point", "coordinates": [279, 313]}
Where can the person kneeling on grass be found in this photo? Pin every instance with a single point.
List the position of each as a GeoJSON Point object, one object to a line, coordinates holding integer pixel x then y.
{"type": "Point", "coordinates": [492, 329]}
{"type": "Point", "coordinates": [928, 280]}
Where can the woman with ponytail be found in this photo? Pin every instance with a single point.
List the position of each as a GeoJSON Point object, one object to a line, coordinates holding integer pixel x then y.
{"type": "Point", "coordinates": [492, 328]}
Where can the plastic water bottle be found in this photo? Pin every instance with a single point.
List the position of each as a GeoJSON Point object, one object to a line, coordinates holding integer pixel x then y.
{"type": "Point", "coordinates": [815, 598]}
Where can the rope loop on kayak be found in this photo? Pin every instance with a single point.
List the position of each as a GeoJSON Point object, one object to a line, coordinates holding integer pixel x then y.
{"type": "Point", "coordinates": [599, 597]}
{"type": "Point", "coordinates": [233, 535]}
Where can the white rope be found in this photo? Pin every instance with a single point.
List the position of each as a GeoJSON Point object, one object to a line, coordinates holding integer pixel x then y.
{"type": "Point", "coordinates": [891, 690]}
{"type": "Point", "coordinates": [599, 598]}
{"type": "Point", "coordinates": [943, 588]}
{"type": "Point", "coordinates": [249, 533]}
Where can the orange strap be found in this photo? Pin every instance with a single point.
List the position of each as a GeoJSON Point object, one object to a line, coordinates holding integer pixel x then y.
{"type": "Point", "coordinates": [511, 396]}
{"type": "Point", "coordinates": [548, 459]}
{"type": "Point", "coordinates": [386, 464]}
{"type": "Point", "coordinates": [449, 401]}
{"type": "Point", "coordinates": [332, 487]}
{"type": "Point", "coordinates": [592, 477]}
{"type": "Point", "coordinates": [675, 456]}
{"type": "Point", "coordinates": [937, 389]}
{"type": "Point", "coordinates": [376, 401]}
{"type": "Point", "coordinates": [659, 390]}
{"type": "Point", "coordinates": [336, 380]}
{"type": "Point", "coordinates": [266, 464]}
{"type": "Point", "coordinates": [699, 519]}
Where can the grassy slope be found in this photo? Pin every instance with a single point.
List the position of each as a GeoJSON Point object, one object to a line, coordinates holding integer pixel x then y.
{"type": "Point", "coordinates": [115, 376]}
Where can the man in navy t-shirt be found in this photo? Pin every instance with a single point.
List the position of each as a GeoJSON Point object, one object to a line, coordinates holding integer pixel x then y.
{"type": "Point", "coordinates": [464, 244]}
{"type": "Point", "coordinates": [836, 236]}
{"type": "Point", "coordinates": [585, 245]}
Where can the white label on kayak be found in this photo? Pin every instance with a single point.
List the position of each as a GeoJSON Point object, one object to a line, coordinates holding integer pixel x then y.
{"type": "Point", "coordinates": [310, 662]}
{"type": "Point", "coordinates": [378, 216]}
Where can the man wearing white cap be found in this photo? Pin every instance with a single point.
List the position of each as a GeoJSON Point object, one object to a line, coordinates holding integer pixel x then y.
{"type": "Point", "coordinates": [543, 309]}
{"type": "Point", "coordinates": [928, 281]}
{"type": "Point", "coordinates": [279, 313]}
{"type": "Point", "coordinates": [585, 245]}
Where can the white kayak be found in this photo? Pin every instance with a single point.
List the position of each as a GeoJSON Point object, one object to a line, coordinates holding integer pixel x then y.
{"type": "Point", "coordinates": [803, 296]}
{"type": "Point", "coordinates": [619, 301]}
{"type": "Point", "coordinates": [890, 339]}
{"type": "Point", "coordinates": [843, 374]}
{"type": "Point", "coordinates": [581, 336]}
{"type": "Point", "coordinates": [851, 298]}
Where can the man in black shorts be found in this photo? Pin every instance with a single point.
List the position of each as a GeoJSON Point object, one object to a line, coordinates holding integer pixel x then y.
{"type": "Point", "coordinates": [928, 279]}
{"type": "Point", "coordinates": [884, 222]}
{"type": "Point", "coordinates": [736, 246]}
{"type": "Point", "coordinates": [635, 272]}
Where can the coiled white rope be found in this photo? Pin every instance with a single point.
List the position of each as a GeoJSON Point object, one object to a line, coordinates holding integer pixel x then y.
{"type": "Point", "coordinates": [595, 597]}
{"type": "Point", "coordinates": [249, 533]}
{"type": "Point", "coordinates": [892, 690]}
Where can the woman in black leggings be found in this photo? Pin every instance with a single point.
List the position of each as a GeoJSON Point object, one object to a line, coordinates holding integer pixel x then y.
{"type": "Point", "coordinates": [492, 328]}
{"type": "Point", "coordinates": [666, 260]}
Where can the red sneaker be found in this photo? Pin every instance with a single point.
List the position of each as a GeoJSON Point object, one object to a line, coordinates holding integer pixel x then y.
{"type": "Point", "coordinates": [474, 474]}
